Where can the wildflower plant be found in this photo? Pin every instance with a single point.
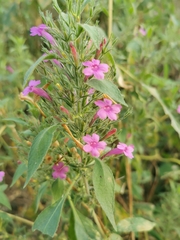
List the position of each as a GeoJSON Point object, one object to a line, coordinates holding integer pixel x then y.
{"type": "Point", "coordinates": [72, 134]}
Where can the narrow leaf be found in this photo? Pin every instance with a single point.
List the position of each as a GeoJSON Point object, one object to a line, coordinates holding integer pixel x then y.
{"type": "Point", "coordinates": [104, 186]}
{"type": "Point", "coordinates": [80, 230]}
{"type": "Point", "coordinates": [16, 120]}
{"type": "Point", "coordinates": [40, 192]}
{"type": "Point", "coordinates": [3, 198]}
{"type": "Point", "coordinates": [135, 224]}
{"type": "Point", "coordinates": [57, 189]}
{"type": "Point", "coordinates": [48, 220]}
{"type": "Point", "coordinates": [155, 93]}
{"type": "Point", "coordinates": [108, 88]}
{"type": "Point", "coordinates": [19, 172]}
{"type": "Point", "coordinates": [32, 68]}
{"type": "Point", "coordinates": [38, 150]}
{"type": "Point", "coordinates": [96, 34]}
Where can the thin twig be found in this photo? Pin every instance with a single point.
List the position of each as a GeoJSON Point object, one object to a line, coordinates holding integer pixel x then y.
{"type": "Point", "coordinates": [129, 183]}
{"type": "Point", "coordinates": [19, 219]}
{"type": "Point", "coordinates": [110, 19]}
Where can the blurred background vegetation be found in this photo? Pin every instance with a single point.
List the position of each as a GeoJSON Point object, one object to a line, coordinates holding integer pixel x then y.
{"type": "Point", "coordinates": [148, 74]}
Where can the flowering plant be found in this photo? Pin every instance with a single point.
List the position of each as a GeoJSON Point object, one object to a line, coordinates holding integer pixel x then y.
{"type": "Point", "coordinates": [73, 112]}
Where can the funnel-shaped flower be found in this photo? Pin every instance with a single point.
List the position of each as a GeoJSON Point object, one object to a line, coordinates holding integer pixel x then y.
{"type": "Point", "coordinates": [107, 109]}
{"type": "Point", "coordinates": [93, 145]}
{"type": "Point", "coordinates": [41, 31]}
{"type": "Point", "coordinates": [178, 109]}
{"type": "Point", "coordinates": [1, 175]}
{"type": "Point", "coordinates": [60, 170]}
{"type": "Point", "coordinates": [122, 148]}
{"type": "Point", "coordinates": [95, 68]}
{"type": "Point", "coordinates": [39, 91]}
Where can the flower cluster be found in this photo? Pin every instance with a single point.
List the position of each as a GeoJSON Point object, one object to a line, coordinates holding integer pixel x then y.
{"type": "Point", "coordinates": [107, 109]}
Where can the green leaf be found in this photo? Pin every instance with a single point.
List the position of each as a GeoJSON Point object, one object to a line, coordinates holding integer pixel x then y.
{"type": "Point", "coordinates": [38, 150]}
{"type": "Point", "coordinates": [135, 224]}
{"type": "Point", "coordinates": [18, 173]}
{"type": "Point", "coordinates": [96, 34]}
{"type": "Point", "coordinates": [48, 220]}
{"type": "Point", "coordinates": [3, 198]}
{"type": "Point", "coordinates": [155, 93]}
{"type": "Point", "coordinates": [32, 68]}
{"type": "Point", "coordinates": [80, 230]}
{"type": "Point", "coordinates": [108, 88]}
{"type": "Point", "coordinates": [6, 217]}
{"type": "Point", "coordinates": [104, 186]}
{"type": "Point", "coordinates": [41, 191]}
{"type": "Point", "coordinates": [57, 189]}
{"type": "Point", "coordinates": [16, 120]}
{"type": "Point", "coordinates": [71, 229]}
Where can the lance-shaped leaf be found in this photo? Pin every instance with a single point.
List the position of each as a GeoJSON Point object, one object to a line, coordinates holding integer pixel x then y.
{"type": "Point", "coordinates": [48, 220]}
{"type": "Point", "coordinates": [104, 186]}
{"type": "Point", "coordinates": [32, 68]}
{"type": "Point", "coordinates": [38, 150]}
{"type": "Point", "coordinates": [108, 88]}
{"type": "Point", "coordinates": [19, 172]}
{"type": "Point", "coordinates": [82, 225]}
{"type": "Point", "coordinates": [96, 34]}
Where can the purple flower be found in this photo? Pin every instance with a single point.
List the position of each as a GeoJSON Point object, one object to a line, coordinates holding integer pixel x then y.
{"type": "Point", "coordinates": [178, 109]}
{"type": "Point", "coordinates": [93, 145]}
{"type": "Point", "coordinates": [91, 91]}
{"type": "Point", "coordinates": [122, 148]}
{"type": "Point", "coordinates": [60, 170]}
{"type": "Point", "coordinates": [54, 60]}
{"type": "Point", "coordinates": [41, 31]}
{"type": "Point", "coordinates": [142, 31]}
{"type": "Point", "coordinates": [2, 174]}
{"type": "Point", "coordinates": [95, 68]}
{"type": "Point", "coordinates": [107, 109]}
{"type": "Point", "coordinates": [38, 91]}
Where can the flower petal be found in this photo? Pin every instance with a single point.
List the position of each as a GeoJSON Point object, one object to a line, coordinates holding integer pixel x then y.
{"type": "Point", "coordinates": [95, 137]}
{"type": "Point", "coordinates": [87, 148]}
{"type": "Point", "coordinates": [87, 138]}
{"type": "Point", "coordinates": [34, 83]}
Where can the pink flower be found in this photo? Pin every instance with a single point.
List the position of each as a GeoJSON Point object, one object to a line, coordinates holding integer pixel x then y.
{"type": "Point", "coordinates": [91, 91]}
{"type": "Point", "coordinates": [38, 91]}
{"type": "Point", "coordinates": [41, 31]}
{"type": "Point", "coordinates": [9, 69]}
{"type": "Point", "coordinates": [93, 145]}
{"type": "Point", "coordinates": [95, 68]}
{"type": "Point", "coordinates": [2, 174]}
{"type": "Point", "coordinates": [54, 60]}
{"type": "Point", "coordinates": [142, 31]}
{"type": "Point", "coordinates": [178, 109]}
{"type": "Point", "coordinates": [60, 170]}
{"type": "Point", "coordinates": [122, 148]}
{"type": "Point", "coordinates": [107, 109]}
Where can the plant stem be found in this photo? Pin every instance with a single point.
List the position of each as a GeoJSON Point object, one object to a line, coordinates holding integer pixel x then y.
{"type": "Point", "coordinates": [20, 219]}
{"type": "Point", "coordinates": [129, 183]}
{"type": "Point", "coordinates": [110, 19]}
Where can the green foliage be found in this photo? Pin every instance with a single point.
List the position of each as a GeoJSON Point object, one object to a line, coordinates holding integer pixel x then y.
{"type": "Point", "coordinates": [104, 187]}
{"type": "Point", "coordinates": [48, 220]}
{"type": "Point", "coordinates": [38, 150]}
{"type": "Point", "coordinates": [109, 88]}
{"type": "Point", "coordinates": [147, 77]}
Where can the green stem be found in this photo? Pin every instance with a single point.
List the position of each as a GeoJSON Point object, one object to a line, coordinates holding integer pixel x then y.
{"type": "Point", "coordinates": [71, 186]}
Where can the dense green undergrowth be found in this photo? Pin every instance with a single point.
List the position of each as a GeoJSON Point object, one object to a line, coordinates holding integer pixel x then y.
{"type": "Point", "coordinates": [145, 34]}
